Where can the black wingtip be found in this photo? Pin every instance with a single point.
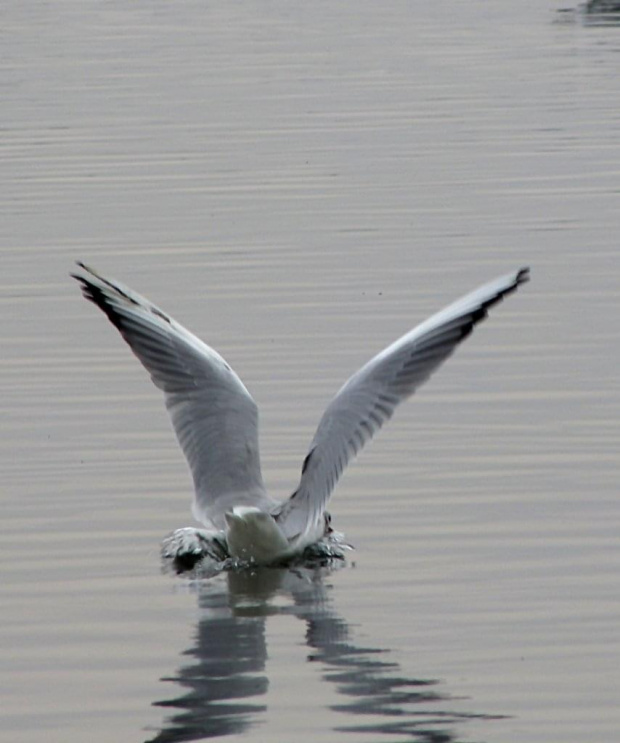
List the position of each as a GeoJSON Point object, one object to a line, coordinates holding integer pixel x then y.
{"type": "Point", "coordinates": [84, 267]}
{"type": "Point", "coordinates": [96, 294]}
{"type": "Point", "coordinates": [523, 275]}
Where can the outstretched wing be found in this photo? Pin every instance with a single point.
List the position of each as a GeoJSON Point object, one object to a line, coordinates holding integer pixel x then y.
{"type": "Point", "coordinates": [370, 396]}
{"type": "Point", "coordinates": [213, 414]}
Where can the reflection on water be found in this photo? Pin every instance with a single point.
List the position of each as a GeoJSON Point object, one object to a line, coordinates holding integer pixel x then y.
{"type": "Point", "coordinates": [602, 6]}
{"type": "Point", "coordinates": [593, 13]}
{"type": "Point", "coordinates": [224, 683]}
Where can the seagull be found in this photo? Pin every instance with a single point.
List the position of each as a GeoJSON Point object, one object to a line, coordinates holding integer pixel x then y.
{"type": "Point", "coordinates": [216, 419]}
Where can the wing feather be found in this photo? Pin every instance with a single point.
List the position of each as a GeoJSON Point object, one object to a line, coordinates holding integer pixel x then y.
{"type": "Point", "coordinates": [369, 398]}
{"type": "Point", "coordinates": [213, 415]}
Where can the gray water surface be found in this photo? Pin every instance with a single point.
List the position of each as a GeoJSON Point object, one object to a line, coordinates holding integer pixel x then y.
{"type": "Point", "coordinates": [299, 184]}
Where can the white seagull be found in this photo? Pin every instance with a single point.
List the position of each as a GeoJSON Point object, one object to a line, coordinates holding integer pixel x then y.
{"type": "Point", "coordinates": [216, 419]}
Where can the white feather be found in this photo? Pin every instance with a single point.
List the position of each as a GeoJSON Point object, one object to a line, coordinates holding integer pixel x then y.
{"type": "Point", "coordinates": [368, 399]}
{"type": "Point", "coordinates": [214, 416]}
{"type": "Point", "coordinates": [216, 419]}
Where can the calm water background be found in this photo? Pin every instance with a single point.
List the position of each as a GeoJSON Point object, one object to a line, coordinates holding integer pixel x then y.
{"type": "Point", "coordinates": [299, 183]}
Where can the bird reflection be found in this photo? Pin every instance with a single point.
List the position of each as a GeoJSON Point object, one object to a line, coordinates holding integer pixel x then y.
{"type": "Point", "coordinates": [224, 681]}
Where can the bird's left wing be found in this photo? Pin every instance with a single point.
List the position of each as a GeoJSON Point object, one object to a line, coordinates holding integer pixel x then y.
{"type": "Point", "coordinates": [370, 396]}
{"type": "Point", "coordinates": [214, 416]}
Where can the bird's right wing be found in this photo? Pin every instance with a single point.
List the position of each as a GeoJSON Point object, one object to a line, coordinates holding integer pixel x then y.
{"type": "Point", "coordinates": [214, 416]}
{"type": "Point", "coordinates": [371, 395]}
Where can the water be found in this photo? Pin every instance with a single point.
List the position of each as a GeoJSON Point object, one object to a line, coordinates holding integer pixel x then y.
{"type": "Point", "coordinates": [299, 184]}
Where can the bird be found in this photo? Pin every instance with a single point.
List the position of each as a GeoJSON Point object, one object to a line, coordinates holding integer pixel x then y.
{"type": "Point", "coordinates": [216, 419]}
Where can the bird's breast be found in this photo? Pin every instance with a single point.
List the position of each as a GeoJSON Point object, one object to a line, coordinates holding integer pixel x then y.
{"type": "Point", "coordinates": [254, 536]}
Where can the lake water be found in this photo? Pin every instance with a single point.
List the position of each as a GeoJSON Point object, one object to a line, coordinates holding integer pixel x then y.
{"type": "Point", "coordinates": [299, 183]}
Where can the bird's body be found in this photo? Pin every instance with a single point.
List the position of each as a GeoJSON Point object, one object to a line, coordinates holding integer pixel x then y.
{"type": "Point", "coordinates": [216, 419]}
{"type": "Point", "coordinates": [254, 534]}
